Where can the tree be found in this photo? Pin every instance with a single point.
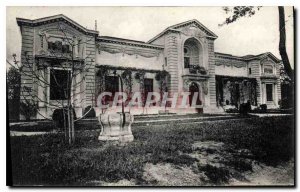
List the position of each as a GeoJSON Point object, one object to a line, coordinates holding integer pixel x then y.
{"type": "Point", "coordinates": [65, 85]}
{"type": "Point", "coordinates": [13, 79]}
{"type": "Point", "coordinates": [248, 11]}
{"type": "Point", "coordinates": [13, 83]}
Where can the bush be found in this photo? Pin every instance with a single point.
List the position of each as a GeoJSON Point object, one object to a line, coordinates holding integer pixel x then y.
{"type": "Point", "coordinates": [285, 103]}
{"type": "Point", "coordinates": [232, 110]}
{"type": "Point", "coordinates": [28, 109]}
{"type": "Point", "coordinates": [263, 108]}
{"type": "Point", "coordinates": [60, 117]}
{"type": "Point", "coordinates": [90, 112]}
{"type": "Point", "coordinates": [245, 108]}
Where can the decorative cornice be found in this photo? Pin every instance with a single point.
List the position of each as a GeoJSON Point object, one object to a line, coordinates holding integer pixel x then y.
{"type": "Point", "coordinates": [195, 77]}
{"type": "Point", "coordinates": [129, 50]}
{"type": "Point", "coordinates": [248, 57]}
{"type": "Point", "coordinates": [56, 18]}
{"type": "Point", "coordinates": [127, 68]}
{"type": "Point", "coordinates": [61, 57]}
{"type": "Point", "coordinates": [268, 76]}
{"type": "Point", "coordinates": [239, 78]}
{"type": "Point", "coordinates": [228, 56]}
{"type": "Point", "coordinates": [129, 42]}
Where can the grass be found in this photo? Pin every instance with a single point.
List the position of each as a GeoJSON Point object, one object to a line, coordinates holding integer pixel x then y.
{"type": "Point", "coordinates": [217, 175]}
{"type": "Point", "coordinates": [47, 160]}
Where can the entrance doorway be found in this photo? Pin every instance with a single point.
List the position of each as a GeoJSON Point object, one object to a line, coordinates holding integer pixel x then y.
{"type": "Point", "coordinates": [194, 90]}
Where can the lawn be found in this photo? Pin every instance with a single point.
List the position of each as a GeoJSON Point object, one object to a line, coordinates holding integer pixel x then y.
{"type": "Point", "coordinates": [46, 160]}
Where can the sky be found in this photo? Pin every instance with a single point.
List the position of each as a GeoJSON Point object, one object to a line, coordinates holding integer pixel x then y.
{"type": "Point", "coordinates": [249, 35]}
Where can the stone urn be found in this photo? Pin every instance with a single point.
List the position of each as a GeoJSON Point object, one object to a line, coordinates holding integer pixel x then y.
{"type": "Point", "coordinates": [113, 128]}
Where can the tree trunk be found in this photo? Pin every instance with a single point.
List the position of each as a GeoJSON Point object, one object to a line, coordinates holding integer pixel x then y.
{"type": "Point", "coordinates": [71, 125]}
{"type": "Point", "coordinates": [282, 44]}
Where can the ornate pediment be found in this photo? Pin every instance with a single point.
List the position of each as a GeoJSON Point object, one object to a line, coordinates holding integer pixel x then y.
{"type": "Point", "coordinates": [195, 28]}
{"type": "Point", "coordinates": [60, 29]}
{"type": "Point", "coordinates": [56, 19]}
{"type": "Point", "coordinates": [193, 31]}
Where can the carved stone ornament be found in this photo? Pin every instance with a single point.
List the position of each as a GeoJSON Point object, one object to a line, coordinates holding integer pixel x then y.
{"type": "Point", "coordinates": [113, 49]}
{"type": "Point", "coordinates": [186, 83]}
{"type": "Point", "coordinates": [204, 88]}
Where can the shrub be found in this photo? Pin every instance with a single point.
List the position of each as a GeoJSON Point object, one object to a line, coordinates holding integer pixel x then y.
{"type": "Point", "coordinates": [28, 109]}
{"type": "Point", "coordinates": [263, 108]}
{"type": "Point", "coordinates": [60, 117]}
{"type": "Point", "coordinates": [245, 108]}
{"type": "Point", "coordinates": [90, 112]}
{"type": "Point", "coordinates": [285, 103]}
{"type": "Point", "coordinates": [232, 110]}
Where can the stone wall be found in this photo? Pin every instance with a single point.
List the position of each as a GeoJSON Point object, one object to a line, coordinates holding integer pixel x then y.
{"type": "Point", "coordinates": [211, 69]}
{"type": "Point", "coordinates": [27, 61]}
{"type": "Point", "coordinates": [171, 51]}
{"type": "Point", "coordinates": [129, 56]}
{"type": "Point", "coordinates": [231, 67]}
{"type": "Point", "coordinates": [90, 61]}
{"type": "Point", "coordinates": [256, 73]}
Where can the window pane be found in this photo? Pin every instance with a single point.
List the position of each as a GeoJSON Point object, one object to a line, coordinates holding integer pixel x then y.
{"type": "Point", "coordinates": [269, 88]}
{"type": "Point", "coordinates": [268, 69]}
{"type": "Point", "coordinates": [112, 86]}
{"type": "Point", "coordinates": [148, 83]}
{"type": "Point", "coordinates": [59, 84]}
{"type": "Point", "coordinates": [186, 62]}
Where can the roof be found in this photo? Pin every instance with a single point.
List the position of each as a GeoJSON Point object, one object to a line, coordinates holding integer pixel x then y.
{"type": "Point", "coordinates": [176, 26]}
{"type": "Point", "coordinates": [55, 18]}
{"type": "Point", "coordinates": [250, 57]}
{"type": "Point", "coordinates": [130, 42]}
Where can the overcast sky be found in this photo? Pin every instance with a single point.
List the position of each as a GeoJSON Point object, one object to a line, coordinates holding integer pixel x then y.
{"type": "Point", "coordinates": [253, 35]}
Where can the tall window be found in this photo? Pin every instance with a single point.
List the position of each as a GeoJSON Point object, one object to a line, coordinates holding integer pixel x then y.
{"type": "Point", "coordinates": [148, 83]}
{"type": "Point", "coordinates": [186, 58]}
{"type": "Point", "coordinates": [58, 46]}
{"type": "Point", "coordinates": [269, 90]}
{"type": "Point", "coordinates": [112, 86]}
{"type": "Point", "coordinates": [250, 72]}
{"type": "Point", "coordinates": [59, 84]}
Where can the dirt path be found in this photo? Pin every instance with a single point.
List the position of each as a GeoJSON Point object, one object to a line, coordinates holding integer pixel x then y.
{"type": "Point", "coordinates": [267, 175]}
{"type": "Point", "coordinates": [216, 166]}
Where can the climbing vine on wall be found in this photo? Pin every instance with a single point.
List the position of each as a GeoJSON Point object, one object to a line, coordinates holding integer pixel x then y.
{"type": "Point", "coordinates": [102, 72]}
{"type": "Point", "coordinates": [127, 75]}
{"type": "Point", "coordinates": [162, 76]}
{"type": "Point", "coordinates": [240, 89]}
{"type": "Point", "coordinates": [127, 79]}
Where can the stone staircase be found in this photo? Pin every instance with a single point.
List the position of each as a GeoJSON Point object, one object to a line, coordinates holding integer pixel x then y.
{"type": "Point", "coordinates": [146, 120]}
{"type": "Point", "coordinates": [161, 119]}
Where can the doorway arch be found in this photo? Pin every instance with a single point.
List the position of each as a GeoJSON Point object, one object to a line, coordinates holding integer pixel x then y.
{"type": "Point", "coordinates": [194, 89]}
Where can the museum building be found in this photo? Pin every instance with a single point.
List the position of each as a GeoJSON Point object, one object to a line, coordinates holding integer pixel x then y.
{"type": "Point", "coordinates": [179, 59]}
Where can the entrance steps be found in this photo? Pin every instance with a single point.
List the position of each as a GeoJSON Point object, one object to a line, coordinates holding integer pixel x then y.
{"type": "Point", "coordinates": [145, 120]}
{"type": "Point", "coordinates": [162, 119]}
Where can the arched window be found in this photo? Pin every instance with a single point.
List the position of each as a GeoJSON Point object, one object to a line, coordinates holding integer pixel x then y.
{"type": "Point", "coordinates": [186, 57]}
{"type": "Point", "coordinates": [193, 53]}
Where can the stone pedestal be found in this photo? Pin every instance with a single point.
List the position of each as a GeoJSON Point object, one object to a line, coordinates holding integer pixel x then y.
{"type": "Point", "coordinates": [112, 128]}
